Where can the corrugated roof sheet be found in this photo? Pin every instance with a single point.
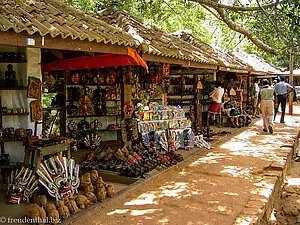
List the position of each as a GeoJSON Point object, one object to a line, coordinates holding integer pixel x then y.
{"type": "Point", "coordinates": [223, 59]}
{"type": "Point", "coordinates": [52, 17]}
{"type": "Point", "coordinates": [153, 40]}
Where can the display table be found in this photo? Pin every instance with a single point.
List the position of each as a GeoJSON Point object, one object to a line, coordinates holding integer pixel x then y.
{"type": "Point", "coordinates": [38, 152]}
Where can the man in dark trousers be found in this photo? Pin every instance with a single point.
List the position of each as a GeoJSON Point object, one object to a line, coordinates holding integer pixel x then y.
{"type": "Point", "coordinates": [282, 89]}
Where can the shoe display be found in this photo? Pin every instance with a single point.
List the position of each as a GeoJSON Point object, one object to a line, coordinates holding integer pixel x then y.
{"type": "Point", "coordinates": [271, 129]}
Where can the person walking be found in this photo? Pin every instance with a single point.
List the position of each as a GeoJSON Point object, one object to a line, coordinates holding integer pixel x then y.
{"type": "Point", "coordinates": [266, 101]}
{"type": "Point", "coordinates": [254, 97]}
{"type": "Point", "coordinates": [282, 89]}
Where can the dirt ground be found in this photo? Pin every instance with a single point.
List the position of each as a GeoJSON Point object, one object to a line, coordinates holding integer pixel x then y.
{"type": "Point", "coordinates": [210, 188]}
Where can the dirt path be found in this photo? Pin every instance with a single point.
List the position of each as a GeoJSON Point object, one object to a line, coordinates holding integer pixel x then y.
{"type": "Point", "coordinates": [210, 188]}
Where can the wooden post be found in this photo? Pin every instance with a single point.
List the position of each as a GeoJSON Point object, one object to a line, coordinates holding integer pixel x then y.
{"type": "Point", "coordinates": [291, 83]}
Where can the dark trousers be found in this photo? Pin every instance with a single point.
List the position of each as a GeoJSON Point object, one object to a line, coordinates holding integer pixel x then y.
{"type": "Point", "coordinates": [281, 99]}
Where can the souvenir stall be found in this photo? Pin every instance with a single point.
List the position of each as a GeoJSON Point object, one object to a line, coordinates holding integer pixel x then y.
{"type": "Point", "coordinates": [34, 168]}
{"type": "Point", "coordinates": [151, 131]}
{"type": "Point", "coordinates": [236, 108]}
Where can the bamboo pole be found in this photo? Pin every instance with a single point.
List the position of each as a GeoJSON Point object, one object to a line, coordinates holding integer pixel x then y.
{"type": "Point", "coordinates": [291, 83]}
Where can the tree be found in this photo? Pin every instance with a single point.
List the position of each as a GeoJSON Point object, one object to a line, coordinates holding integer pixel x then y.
{"type": "Point", "coordinates": [269, 28]}
{"type": "Point", "coordinates": [272, 26]}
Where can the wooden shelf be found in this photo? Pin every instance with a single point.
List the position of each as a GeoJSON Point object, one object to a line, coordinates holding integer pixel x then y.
{"type": "Point", "coordinates": [13, 61]}
{"type": "Point", "coordinates": [57, 92]}
{"type": "Point", "coordinates": [11, 140]}
{"type": "Point", "coordinates": [15, 114]}
{"type": "Point", "coordinates": [95, 115]}
{"type": "Point", "coordinates": [100, 85]}
{"type": "Point", "coordinates": [13, 88]}
{"type": "Point", "coordinates": [100, 130]}
{"type": "Point", "coordinates": [150, 99]}
{"type": "Point", "coordinates": [53, 108]}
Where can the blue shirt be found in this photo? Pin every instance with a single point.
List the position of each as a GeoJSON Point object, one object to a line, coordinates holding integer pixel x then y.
{"type": "Point", "coordinates": [282, 88]}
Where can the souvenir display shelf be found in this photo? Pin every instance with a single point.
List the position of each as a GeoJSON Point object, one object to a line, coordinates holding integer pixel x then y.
{"type": "Point", "coordinates": [165, 121]}
{"type": "Point", "coordinates": [10, 83]}
{"type": "Point", "coordinates": [182, 90]}
{"type": "Point", "coordinates": [93, 105]}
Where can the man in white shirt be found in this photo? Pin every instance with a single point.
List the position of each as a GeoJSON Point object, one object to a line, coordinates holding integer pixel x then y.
{"type": "Point", "coordinates": [282, 89]}
{"type": "Point", "coordinates": [254, 97]}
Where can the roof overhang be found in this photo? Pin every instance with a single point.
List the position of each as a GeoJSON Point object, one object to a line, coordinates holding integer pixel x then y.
{"type": "Point", "coordinates": [12, 38]}
{"type": "Point", "coordinates": [258, 73]}
{"type": "Point", "coordinates": [233, 70]}
{"type": "Point", "coordinates": [181, 62]}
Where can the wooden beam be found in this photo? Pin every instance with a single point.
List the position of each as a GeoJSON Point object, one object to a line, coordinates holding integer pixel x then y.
{"type": "Point", "coordinates": [13, 39]}
{"type": "Point", "coordinates": [91, 53]}
{"type": "Point", "coordinates": [258, 73]}
{"type": "Point", "coordinates": [291, 83]}
{"type": "Point", "coordinates": [57, 53]}
{"type": "Point", "coordinates": [191, 71]}
{"type": "Point", "coordinates": [190, 64]}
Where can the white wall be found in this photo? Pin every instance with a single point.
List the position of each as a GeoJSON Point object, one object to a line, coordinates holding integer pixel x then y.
{"type": "Point", "coordinates": [18, 98]}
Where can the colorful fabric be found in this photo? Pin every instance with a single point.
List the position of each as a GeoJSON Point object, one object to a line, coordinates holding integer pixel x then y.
{"type": "Point", "coordinates": [98, 61]}
{"type": "Point", "coordinates": [215, 107]}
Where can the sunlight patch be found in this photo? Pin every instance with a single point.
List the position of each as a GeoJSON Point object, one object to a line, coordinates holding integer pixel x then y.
{"type": "Point", "coordinates": [143, 199]}
{"type": "Point", "coordinates": [173, 190]}
{"type": "Point", "coordinates": [118, 211]}
{"type": "Point", "coordinates": [292, 181]}
{"type": "Point", "coordinates": [182, 172]}
{"type": "Point", "coordinates": [142, 212]}
{"type": "Point", "coordinates": [231, 193]}
{"type": "Point", "coordinates": [164, 221]}
{"type": "Point", "coordinates": [211, 158]}
{"type": "Point", "coordinates": [237, 171]}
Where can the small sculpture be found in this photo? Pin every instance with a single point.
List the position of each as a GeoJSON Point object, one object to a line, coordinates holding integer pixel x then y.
{"type": "Point", "coordinates": [10, 76]}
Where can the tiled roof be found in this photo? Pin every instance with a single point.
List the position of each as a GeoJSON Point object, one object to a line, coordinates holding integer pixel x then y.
{"type": "Point", "coordinates": [52, 17]}
{"type": "Point", "coordinates": [152, 40]}
{"type": "Point", "coordinates": [223, 59]}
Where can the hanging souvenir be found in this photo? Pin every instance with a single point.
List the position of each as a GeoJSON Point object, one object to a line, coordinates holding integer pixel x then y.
{"type": "Point", "coordinates": [166, 70]}
{"type": "Point", "coordinates": [99, 79]}
{"type": "Point", "coordinates": [232, 92]}
{"type": "Point", "coordinates": [85, 105]}
{"type": "Point", "coordinates": [36, 110]}
{"type": "Point", "coordinates": [75, 78]}
{"type": "Point", "coordinates": [128, 79]}
{"type": "Point", "coordinates": [34, 88]}
{"type": "Point", "coordinates": [128, 108]}
{"type": "Point", "coordinates": [49, 82]}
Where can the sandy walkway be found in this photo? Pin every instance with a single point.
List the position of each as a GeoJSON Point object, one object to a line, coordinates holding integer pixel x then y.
{"type": "Point", "coordinates": [210, 188]}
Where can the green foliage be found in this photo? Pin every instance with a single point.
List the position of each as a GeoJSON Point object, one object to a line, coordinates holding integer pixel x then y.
{"type": "Point", "coordinates": [278, 26]}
